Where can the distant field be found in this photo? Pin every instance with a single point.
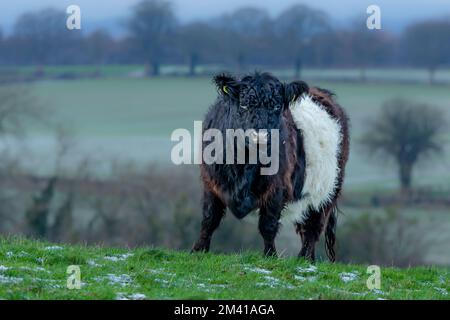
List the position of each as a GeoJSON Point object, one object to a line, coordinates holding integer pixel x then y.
{"type": "Point", "coordinates": [386, 74]}
{"type": "Point", "coordinates": [132, 119]}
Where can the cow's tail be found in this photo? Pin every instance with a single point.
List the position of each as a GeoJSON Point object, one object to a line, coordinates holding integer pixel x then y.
{"type": "Point", "coordinates": [330, 235]}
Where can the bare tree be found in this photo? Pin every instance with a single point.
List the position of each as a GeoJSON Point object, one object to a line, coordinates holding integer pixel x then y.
{"type": "Point", "coordinates": [428, 44]}
{"type": "Point", "coordinates": [366, 48]}
{"type": "Point", "coordinates": [151, 25]}
{"type": "Point", "coordinates": [295, 28]}
{"type": "Point", "coordinates": [38, 213]}
{"type": "Point", "coordinates": [42, 38]}
{"type": "Point", "coordinates": [18, 109]}
{"type": "Point", "coordinates": [406, 132]}
{"type": "Point", "coordinates": [197, 41]}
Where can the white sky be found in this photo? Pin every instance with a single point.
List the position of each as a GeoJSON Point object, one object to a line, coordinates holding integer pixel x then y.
{"type": "Point", "coordinates": [394, 12]}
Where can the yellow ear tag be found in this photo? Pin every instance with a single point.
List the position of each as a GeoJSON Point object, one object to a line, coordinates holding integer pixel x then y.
{"type": "Point", "coordinates": [225, 89]}
{"type": "Point", "coordinates": [293, 99]}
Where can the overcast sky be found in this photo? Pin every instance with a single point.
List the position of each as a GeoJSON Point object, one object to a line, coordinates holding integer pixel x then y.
{"type": "Point", "coordinates": [395, 13]}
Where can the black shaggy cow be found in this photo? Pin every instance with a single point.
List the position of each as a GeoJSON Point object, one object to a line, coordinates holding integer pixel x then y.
{"type": "Point", "coordinates": [313, 151]}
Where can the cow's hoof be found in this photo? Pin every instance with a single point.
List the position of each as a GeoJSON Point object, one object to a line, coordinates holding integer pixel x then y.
{"type": "Point", "coordinates": [307, 257]}
{"type": "Point", "coordinates": [200, 247]}
{"type": "Point", "coordinates": [270, 253]}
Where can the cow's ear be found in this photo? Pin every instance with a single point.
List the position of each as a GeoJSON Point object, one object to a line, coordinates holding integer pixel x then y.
{"type": "Point", "coordinates": [295, 90]}
{"type": "Point", "coordinates": [227, 85]}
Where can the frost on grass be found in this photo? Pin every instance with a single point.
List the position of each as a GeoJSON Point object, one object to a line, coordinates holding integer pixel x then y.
{"type": "Point", "coordinates": [122, 280]}
{"type": "Point", "coordinates": [51, 283]}
{"type": "Point", "coordinates": [133, 296]}
{"type": "Point", "coordinates": [53, 248]}
{"type": "Point", "coordinates": [377, 291]}
{"type": "Point", "coordinates": [302, 278]}
{"type": "Point", "coordinates": [345, 292]}
{"type": "Point", "coordinates": [163, 282]}
{"type": "Point", "coordinates": [210, 287]}
{"type": "Point", "coordinates": [310, 269]}
{"type": "Point", "coordinates": [6, 279]}
{"type": "Point", "coordinates": [306, 274]}
{"type": "Point", "coordinates": [9, 280]}
{"type": "Point", "coordinates": [348, 276]}
{"type": "Point", "coordinates": [35, 269]}
{"type": "Point", "coordinates": [257, 270]}
{"type": "Point", "coordinates": [119, 257]}
{"type": "Point", "coordinates": [441, 291]}
{"type": "Point", "coordinates": [92, 263]}
{"type": "Point", "coordinates": [273, 282]}
{"type": "Point", "coordinates": [20, 254]}
{"type": "Point", "coordinates": [162, 271]}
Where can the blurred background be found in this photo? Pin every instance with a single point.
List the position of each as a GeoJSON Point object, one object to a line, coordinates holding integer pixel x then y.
{"type": "Point", "coordinates": [86, 117]}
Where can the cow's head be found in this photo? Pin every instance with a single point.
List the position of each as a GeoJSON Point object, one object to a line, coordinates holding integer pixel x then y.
{"type": "Point", "coordinates": [257, 101]}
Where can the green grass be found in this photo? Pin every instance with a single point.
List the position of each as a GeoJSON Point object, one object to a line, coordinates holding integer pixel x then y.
{"type": "Point", "coordinates": [37, 270]}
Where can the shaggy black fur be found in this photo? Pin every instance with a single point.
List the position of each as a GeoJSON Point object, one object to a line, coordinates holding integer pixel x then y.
{"type": "Point", "coordinates": [259, 101]}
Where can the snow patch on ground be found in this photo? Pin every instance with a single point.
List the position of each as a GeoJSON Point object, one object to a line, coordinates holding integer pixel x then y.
{"type": "Point", "coordinates": [35, 269]}
{"type": "Point", "coordinates": [122, 280]}
{"type": "Point", "coordinates": [163, 282]}
{"type": "Point", "coordinates": [348, 276]}
{"type": "Point", "coordinates": [210, 287]}
{"type": "Point", "coordinates": [9, 280]}
{"type": "Point", "coordinates": [53, 248]}
{"type": "Point", "coordinates": [161, 271]}
{"type": "Point", "coordinates": [441, 290]}
{"type": "Point", "coordinates": [133, 296]}
{"type": "Point", "coordinates": [377, 291]}
{"type": "Point", "coordinates": [120, 257]}
{"type": "Point", "coordinates": [51, 283]}
{"type": "Point", "coordinates": [310, 269]}
{"type": "Point", "coordinates": [359, 294]}
{"type": "Point", "coordinates": [306, 274]}
{"type": "Point", "coordinates": [257, 270]}
{"type": "Point", "coordinates": [92, 263]}
{"type": "Point", "coordinates": [21, 254]}
{"type": "Point", "coordinates": [273, 282]}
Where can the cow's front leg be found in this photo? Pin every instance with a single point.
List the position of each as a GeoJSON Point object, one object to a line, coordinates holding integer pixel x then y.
{"type": "Point", "coordinates": [213, 212]}
{"type": "Point", "coordinates": [269, 223]}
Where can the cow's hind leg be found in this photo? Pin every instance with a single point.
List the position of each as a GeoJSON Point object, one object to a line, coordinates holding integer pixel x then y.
{"type": "Point", "coordinates": [213, 212]}
{"type": "Point", "coordinates": [269, 223]}
{"type": "Point", "coordinates": [311, 228]}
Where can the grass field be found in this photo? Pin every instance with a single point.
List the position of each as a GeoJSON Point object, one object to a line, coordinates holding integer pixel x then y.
{"type": "Point", "coordinates": [352, 74]}
{"type": "Point", "coordinates": [132, 119]}
{"type": "Point", "coordinates": [38, 270]}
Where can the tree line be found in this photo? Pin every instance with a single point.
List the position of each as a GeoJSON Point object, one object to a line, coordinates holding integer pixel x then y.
{"type": "Point", "coordinates": [299, 36]}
